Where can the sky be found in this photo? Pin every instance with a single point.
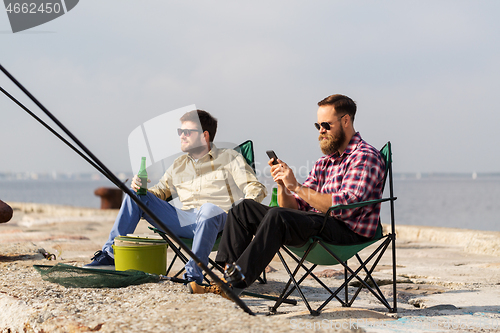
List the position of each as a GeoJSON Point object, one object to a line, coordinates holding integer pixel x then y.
{"type": "Point", "coordinates": [423, 74]}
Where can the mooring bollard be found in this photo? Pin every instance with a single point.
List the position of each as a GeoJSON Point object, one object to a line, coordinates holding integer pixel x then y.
{"type": "Point", "coordinates": [111, 198]}
{"type": "Point", "coordinates": [5, 212]}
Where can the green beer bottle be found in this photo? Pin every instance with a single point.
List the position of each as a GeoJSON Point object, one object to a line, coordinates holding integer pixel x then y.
{"type": "Point", "coordinates": [143, 175]}
{"type": "Point", "coordinates": [274, 198]}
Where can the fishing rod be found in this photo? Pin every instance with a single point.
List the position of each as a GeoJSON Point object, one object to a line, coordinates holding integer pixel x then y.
{"type": "Point", "coordinates": [103, 169]}
{"type": "Point", "coordinates": [59, 136]}
{"type": "Point", "coordinates": [6, 93]}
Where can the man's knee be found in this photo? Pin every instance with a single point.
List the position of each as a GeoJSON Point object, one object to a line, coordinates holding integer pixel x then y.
{"type": "Point", "coordinates": [276, 213]}
{"type": "Point", "coordinates": [128, 202]}
{"type": "Point", "coordinates": [209, 210]}
{"type": "Point", "coordinates": [244, 205]}
{"type": "Point", "coordinates": [280, 219]}
{"type": "Point", "coordinates": [249, 203]}
{"type": "Point", "coordinates": [273, 218]}
{"type": "Point", "coordinates": [212, 214]}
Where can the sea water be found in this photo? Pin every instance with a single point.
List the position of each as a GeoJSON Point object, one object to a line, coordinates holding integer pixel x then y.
{"type": "Point", "coordinates": [447, 201]}
{"type": "Point", "coordinates": [78, 193]}
{"type": "Point", "coordinates": [435, 200]}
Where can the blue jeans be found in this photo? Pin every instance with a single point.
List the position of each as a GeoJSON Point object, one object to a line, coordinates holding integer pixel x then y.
{"type": "Point", "coordinates": [201, 224]}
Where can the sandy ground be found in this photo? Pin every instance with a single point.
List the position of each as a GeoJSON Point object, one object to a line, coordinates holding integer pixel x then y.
{"type": "Point", "coordinates": [448, 280]}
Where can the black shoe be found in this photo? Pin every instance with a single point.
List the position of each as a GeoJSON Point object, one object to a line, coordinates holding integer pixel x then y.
{"type": "Point", "coordinates": [101, 258]}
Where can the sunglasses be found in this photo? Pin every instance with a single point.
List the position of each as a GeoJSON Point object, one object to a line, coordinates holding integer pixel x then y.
{"type": "Point", "coordinates": [187, 132]}
{"type": "Point", "coordinates": [326, 125]}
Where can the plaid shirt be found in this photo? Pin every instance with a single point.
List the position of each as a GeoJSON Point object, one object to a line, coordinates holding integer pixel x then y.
{"type": "Point", "coordinates": [356, 175]}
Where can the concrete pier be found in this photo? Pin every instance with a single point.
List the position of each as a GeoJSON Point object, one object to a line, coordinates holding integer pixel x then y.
{"type": "Point", "coordinates": [447, 281]}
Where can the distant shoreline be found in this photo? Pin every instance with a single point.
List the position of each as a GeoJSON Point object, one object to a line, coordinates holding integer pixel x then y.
{"type": "Point", "coordinates": [95, 176]}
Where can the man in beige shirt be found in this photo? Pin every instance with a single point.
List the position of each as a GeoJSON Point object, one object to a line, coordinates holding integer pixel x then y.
{"type": "Point", "coordinates": [207, 180]}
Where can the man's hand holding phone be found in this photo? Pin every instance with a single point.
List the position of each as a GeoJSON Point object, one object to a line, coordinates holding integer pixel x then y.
{"type": "Point", "coordinates": [272, 156]}
{"type": "Point", "coordinates": [275, 166]}
{"type": "Point", "coordinates": [284, 177]}
{"type": "Point", "coordinates": [281, 172]}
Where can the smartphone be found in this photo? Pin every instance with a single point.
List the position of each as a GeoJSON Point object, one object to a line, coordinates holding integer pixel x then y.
{"type": "Point", "coordinates": [272, 155]}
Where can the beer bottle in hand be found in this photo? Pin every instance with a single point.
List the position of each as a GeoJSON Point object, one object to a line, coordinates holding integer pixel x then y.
{"type": "Point", "coordinates": [143, 175]}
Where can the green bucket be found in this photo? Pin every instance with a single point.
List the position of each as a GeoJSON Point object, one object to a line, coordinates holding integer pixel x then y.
{"type": "Point", "coordinates": [146, 258]}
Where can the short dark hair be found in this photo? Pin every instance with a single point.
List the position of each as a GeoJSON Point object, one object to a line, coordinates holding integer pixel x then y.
{"type": "Point", "coordinates": [207, 121]}
{"type": "Point", "coordinates": [341, 103]}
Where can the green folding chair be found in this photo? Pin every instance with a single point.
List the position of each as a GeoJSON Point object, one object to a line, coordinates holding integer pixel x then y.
{"type": "Point", "coordinates": [318, 252]}
{"type": "Point", "coordinates": [245, 149]}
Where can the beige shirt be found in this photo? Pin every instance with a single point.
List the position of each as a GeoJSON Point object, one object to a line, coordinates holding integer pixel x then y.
{"type": "Point", "coordinates": [221, 177]}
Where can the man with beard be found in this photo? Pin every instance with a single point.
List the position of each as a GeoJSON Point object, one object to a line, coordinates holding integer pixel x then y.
{"type": "Point", "coordinates": [351, 171]}
{"type": "Point", "coordinates": [207, 180]}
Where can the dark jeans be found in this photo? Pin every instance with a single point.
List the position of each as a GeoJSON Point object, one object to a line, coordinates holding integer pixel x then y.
{"type": "Point", "coordinates": [272, 227]}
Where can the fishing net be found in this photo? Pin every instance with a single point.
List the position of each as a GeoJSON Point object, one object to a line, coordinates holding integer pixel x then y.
{"type": "Point", "coordinates": [77, 277]}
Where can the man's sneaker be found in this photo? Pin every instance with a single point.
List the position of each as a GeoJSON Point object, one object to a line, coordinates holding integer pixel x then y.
{"type": "Point", "coordinates": [101, 258]}
{"type": "Point", "coordinates": [195, 288]}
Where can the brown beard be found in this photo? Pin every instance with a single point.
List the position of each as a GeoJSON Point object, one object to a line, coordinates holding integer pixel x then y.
{"type": "Point", "coordinates": [331, 143]}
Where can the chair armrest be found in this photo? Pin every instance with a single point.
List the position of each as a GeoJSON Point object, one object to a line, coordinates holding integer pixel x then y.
{"type": "Point", "coordinates": [354, 205]}
{"type": "Point", "coordinates": [359, 204]}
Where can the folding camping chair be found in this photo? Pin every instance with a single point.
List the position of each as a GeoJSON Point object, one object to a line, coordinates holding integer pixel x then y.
{"type": "Point", "coordinates": [246, 150]}
{"type": "Point", "coordinates": [318, 252]}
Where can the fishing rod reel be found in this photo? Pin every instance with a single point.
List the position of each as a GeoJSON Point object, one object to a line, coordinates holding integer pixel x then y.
{"type": "Point", "coordinates": [232, 273]}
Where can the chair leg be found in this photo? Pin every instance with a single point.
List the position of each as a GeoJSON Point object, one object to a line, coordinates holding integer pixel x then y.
{"type": "Point", "coordinates": [370, 277]}
{"type": "Point", "coordinates": [385, 244]}
{"type": "Point", "coordinates": [262, 279]}
{"type": "Point", "coordinates": [349, 275]}
{"type": "Point", "coordinates": [346, 291]}
{"type": "Point", "coordinates": [282, 297]}
{"type": "Point", "coordinates": [178, 254]}
{"type": "Point", "coordinates": [177, 250]}
{"type": "Point", "coordinates": [179, 272]}
{"type": "Point", "coordinates": [354, 274]}
{"type": "Point", "coordinates": [171, 264]}
{"type": "Point", "coordinates": [182, 257]}
{"type": "Point", "coordinates": [308, 272]}
{"type": "Point", "coordinates": [394, 291]}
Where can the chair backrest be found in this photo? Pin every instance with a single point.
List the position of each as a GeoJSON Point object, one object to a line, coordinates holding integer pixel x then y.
{"type": "Point", "coordinates": [387, 156]}
{"type": "Point", "coordinates": [246, 149]}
